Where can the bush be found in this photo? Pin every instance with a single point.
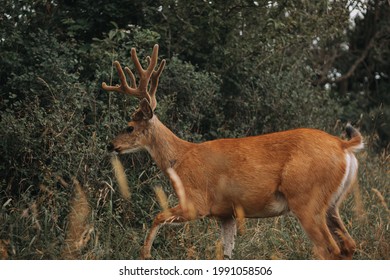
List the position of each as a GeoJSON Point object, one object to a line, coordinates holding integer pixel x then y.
{"type": "Point", "coordinates": [56, 122]}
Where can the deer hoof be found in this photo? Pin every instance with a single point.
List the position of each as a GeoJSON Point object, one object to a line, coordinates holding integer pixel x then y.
{"type": "Point", "coordinates": [145, 254]}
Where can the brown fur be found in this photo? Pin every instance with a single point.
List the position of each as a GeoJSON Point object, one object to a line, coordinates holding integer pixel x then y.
{"type": "Point", "coordinates": [305, 171]}
{"type": "Point", "coordinates": [297, 170]}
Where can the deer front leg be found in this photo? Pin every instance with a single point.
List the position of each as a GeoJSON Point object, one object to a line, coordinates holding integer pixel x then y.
{"type": "Point", "coordinates": [229, 232]}
{"type": "Point", "coordinates": [172, 215]}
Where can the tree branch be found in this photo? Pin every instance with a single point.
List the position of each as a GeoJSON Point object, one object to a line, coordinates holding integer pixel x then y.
{"type": "Point", "coordinates": [324, 79]}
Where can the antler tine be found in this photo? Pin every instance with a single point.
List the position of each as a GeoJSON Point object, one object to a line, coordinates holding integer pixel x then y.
{"type": "Point", "coordinates": [123, 87]}
{"type": "Point", "coordinates": [145, 74]}
{"type": "Point", "coordinates": [152, 62]}
{"type": "Point", "coordinates": [131, 75]}
{"type": "Point", "coordinates": [154, 83]}
{"type": "Point", "coordinates": [141, 91]}
{"type": "Point", "coordinates": [134, 90]}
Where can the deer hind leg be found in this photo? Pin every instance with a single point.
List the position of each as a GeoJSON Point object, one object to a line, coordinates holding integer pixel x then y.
{"type": "Point", "coordinates": [340, 234]}
{"type": "Point", "coordinates": [334, 222]}
{"type": "Point", "coordinates": [314, 223]}
{"type": "Point", "coordinates": [310, 207]}
{"type": "Point", "coordinates": [172, 216]}
{"type": "Point", "coordinates": [229, 232]}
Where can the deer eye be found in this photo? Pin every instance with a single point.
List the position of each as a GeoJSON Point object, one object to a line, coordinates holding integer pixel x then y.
{"type": "Point", "coordinates": [129, 129]}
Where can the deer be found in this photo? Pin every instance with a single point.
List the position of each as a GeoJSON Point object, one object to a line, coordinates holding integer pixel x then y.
{"type": "Point", "coordinates": [303, 171]}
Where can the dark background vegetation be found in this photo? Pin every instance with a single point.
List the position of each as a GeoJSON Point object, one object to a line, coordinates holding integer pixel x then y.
{"type": "Point", "coordinates": [234, 68]}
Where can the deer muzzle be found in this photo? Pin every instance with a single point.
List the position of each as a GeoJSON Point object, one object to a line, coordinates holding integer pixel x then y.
{"type": "Point", "coordinates": [110, 148]}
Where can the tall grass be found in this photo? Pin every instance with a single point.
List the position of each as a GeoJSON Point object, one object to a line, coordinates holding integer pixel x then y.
{"type": "Point", "coordinates": [78, 231]}
{"type": "Point", "coordinates": [70, 220]}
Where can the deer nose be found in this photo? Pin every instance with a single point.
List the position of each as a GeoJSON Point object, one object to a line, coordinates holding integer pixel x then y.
{"type": "Point", "coordinates": [110, 147]}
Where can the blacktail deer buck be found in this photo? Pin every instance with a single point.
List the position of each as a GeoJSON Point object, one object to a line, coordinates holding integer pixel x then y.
{"type": "Point", "coordinates": [304, 171]}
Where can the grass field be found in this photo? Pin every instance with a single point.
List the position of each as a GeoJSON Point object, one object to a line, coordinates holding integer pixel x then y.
{"type": "Point", "coordinates": [71, 220]}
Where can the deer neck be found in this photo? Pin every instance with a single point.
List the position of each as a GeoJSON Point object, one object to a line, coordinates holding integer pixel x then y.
{"type": "Point", "coordinates": [164, 146]}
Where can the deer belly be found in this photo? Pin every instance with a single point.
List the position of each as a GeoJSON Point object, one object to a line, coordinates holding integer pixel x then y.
{"type": "Point", "coordinates": [251, 206]}
{"type": "Point", "coordinates": [271, 209]}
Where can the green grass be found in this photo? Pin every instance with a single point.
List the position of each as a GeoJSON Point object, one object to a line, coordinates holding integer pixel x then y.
{"type": "Point", "coordinates": [37, 225]}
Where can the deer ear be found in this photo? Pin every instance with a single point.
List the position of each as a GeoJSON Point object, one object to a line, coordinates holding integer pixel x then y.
{"type": "Point", "coordinates": [145, 108]}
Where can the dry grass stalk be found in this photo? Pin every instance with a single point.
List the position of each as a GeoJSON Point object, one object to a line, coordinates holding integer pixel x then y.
{"type": "Point", "coordinates": [121, 177]}
{"type": "Point", "coordinates": [34, 213]}
{"type": "Point", "coordinates": [187, 206]}
{"type": "Point", "coordinates": [276, 256]}
{"type": "Point", "coordinates": [381, 199]}
{"type": "Point", "coordinates": [219, 250]}
{"type": "Point", "coordinates": [192, 253]}
{"type": "Point", "coordinates": [4, 249]}
{"type": "Point", "coordinates": [178, 186]}
{"type": "Point", "coordinates": [62, 181]}
{"type": "Point", "coordinates": [46, 190]}
{"type": "Point", "coordinates": [162, 200]}
{"type": "Point", "coordinates": [359, 209]}
{"type": "Point", "coordinates": [79, 230]}
{"type": "Point", "coordinates": [240, 217]}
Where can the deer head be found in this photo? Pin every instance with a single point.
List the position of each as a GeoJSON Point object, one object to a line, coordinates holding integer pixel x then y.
{"type": "Point", "coordinates": [135, 136]}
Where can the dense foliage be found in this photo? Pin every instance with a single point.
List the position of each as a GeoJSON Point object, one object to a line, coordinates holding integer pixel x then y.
{"type": "Point", "coordinates": [234, 68]}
